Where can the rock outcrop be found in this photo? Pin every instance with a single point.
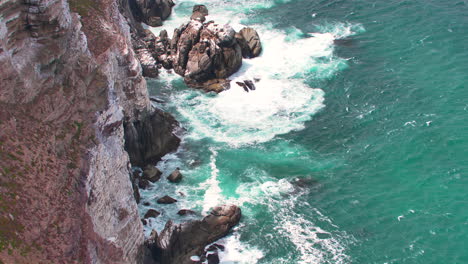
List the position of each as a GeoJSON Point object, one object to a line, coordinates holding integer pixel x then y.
{"type": "Point", "coordinates": [205, 54]}
{"type": "Point", "coordinates": [151, 12]}
{"type": "Point", "coordinates": [150, 137]}
{"type": "Point", "coordinates": [177, 243]}
{"type": "Point", "coordinates": [69, 80]}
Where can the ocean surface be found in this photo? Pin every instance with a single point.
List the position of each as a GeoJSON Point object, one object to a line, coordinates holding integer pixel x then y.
{"type": "Point", "coordinates": [353, 148]}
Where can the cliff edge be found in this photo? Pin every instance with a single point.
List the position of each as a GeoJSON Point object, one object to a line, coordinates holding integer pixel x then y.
{"type": "Point", "coordinates": [69, 81]}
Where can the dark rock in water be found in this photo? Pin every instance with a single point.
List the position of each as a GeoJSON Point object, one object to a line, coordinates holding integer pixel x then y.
{"type": "Point", "coordinates": [151, 173]}
{"type": "Point", "coordinates": [215, 247]}
{"type": "Point", "coordinates": [213, 258]}
{"type": "Point", "coordinates": [144, 221]}
{"type": "Point", "coordinates": [143, 183]}
{"type": "Point", "coordinates": [177, 243]}
{"type": "Point", "coordinates": [175, 176]}
{"type": "Point", "coordinates": [185, 212]}
{"type": "Point", "coordinates": [151, 12]}
{"type": "Point", "coordinates": [166, 200]}
{"type": "Point", "coordinates": [150, 137]}
{"type": "Point", "coordinates": [146, 203]}
{"type": "Point", "coordinates": [250, 84]}
{"type": "Point", "coordinates": [304, 182]}
{"type": "Point", "coordinates": [134, 178]}
{"type": "Point", "coordinates": [249, 42]}
{"type": "Point", "coordinates": [243, 85]}
{"type": "Point", "coordinates": [152, 213]}
{"type": "Point", "coordinates": [201, 9]}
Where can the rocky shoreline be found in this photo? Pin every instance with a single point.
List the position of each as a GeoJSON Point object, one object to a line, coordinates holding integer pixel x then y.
{"type": "Point", "coordinates": [75, 116]}
{"type": "Point", "coordinates": [205, 54]}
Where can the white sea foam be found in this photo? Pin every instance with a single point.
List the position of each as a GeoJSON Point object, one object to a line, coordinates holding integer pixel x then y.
{"type": "Point", "coordinates": [237, 252]}
{"type": "Point", "coordinates": [213, 196]}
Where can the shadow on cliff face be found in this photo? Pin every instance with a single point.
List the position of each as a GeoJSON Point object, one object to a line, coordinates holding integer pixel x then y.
{"type": "Point", "coordinates": [150, 137]}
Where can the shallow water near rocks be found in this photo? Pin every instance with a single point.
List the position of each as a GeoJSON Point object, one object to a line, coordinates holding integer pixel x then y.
{"type": "Point", "coordinates": [352, 149]}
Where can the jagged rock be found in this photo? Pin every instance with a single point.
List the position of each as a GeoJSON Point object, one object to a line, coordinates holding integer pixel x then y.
{"type": "Point", "coordinates": [166, 200]}
{"type": "Point", "coordinates": [249, 42]}
{"type": "Point", "coordinates": [151, 213]}
{"type": "Point", "coordinates": [185, 212]}
{"type": "Point", "coordinates": [151, 12]}
{"type": "Point", "coordinates": [150, 137]}
{"type": "Point", "coordinates": [151, 173]}
{"type": "Point", "coordinates": [177, 243]}
{"type": "Point", "coordinates": [175, 176]}
{"type": "Point", "coordinates": [203, 52]}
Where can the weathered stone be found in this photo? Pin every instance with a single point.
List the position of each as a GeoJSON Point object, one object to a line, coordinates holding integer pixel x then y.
{"type": "Point", "coordinates": [175, 176]}
{"type": "Point", "coordinates": [151, 173]}
{"type": "Point", "coordinates": [166, 200]}
{"type": "Point", "coordinates": [150, 137]}
{"type": "Point", "coordinates": [151, 213]}
{"type": "Point", "coordinates": [177, 243]}
{"type": "Point", "coordinates": [249, 42]}
{"type": "Point", "coordinates": [151, 12]}
{"type": "Point", "coordinates": [185, 212]}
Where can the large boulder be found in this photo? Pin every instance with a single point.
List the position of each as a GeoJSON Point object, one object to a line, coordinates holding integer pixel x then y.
{"type": "Point", "coordinates": [249, 42]}
{"type": "Point", "coordinates": [151, 12]}
{"type": "Point", "coordinates": [178, 242]}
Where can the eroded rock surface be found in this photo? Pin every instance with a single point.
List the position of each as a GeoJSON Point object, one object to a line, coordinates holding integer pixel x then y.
{"type": "Point", "coordinates": [177, 243]}
{"type": "Point", "coordinates": [69, 80]}
{"type": "Point", "coordinates": [152, 12]}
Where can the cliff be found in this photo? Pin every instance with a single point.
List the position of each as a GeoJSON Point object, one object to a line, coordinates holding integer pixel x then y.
{"type": "Point", "coordinates": [69, 81]}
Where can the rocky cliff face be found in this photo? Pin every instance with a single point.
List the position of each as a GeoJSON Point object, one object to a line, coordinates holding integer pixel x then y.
{"type": "Point", "coordinates": [69, 80]}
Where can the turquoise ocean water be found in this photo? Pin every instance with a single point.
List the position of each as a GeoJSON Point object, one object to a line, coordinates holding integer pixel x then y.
{"type": "Point", "coordinates": [353, 148]}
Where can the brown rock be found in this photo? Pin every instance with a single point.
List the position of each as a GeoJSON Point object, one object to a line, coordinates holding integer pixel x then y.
{"type": "Point", "coordinates": [249, 41]}
{"type": "Point", "coordinates": [185, 212]}
{"type": "Point", "coordinates": [151, 213]}
{"type": "Point", "coordinates": [151, 173]}
{"type": "Point", "coordinates": [175, 176]}
{"type": "Point", "coordinates": [177, 243]}
{"type": "Point", "coordinates": [166, 200]}
{"type": "Point", "coordinates": [152, 12]}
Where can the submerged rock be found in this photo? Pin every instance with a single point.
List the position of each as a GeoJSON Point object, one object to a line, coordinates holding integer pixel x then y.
{"type": "Point", "coordinates": [178, 242]}
{"type": "Point", "coordinates": [166, 200]}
